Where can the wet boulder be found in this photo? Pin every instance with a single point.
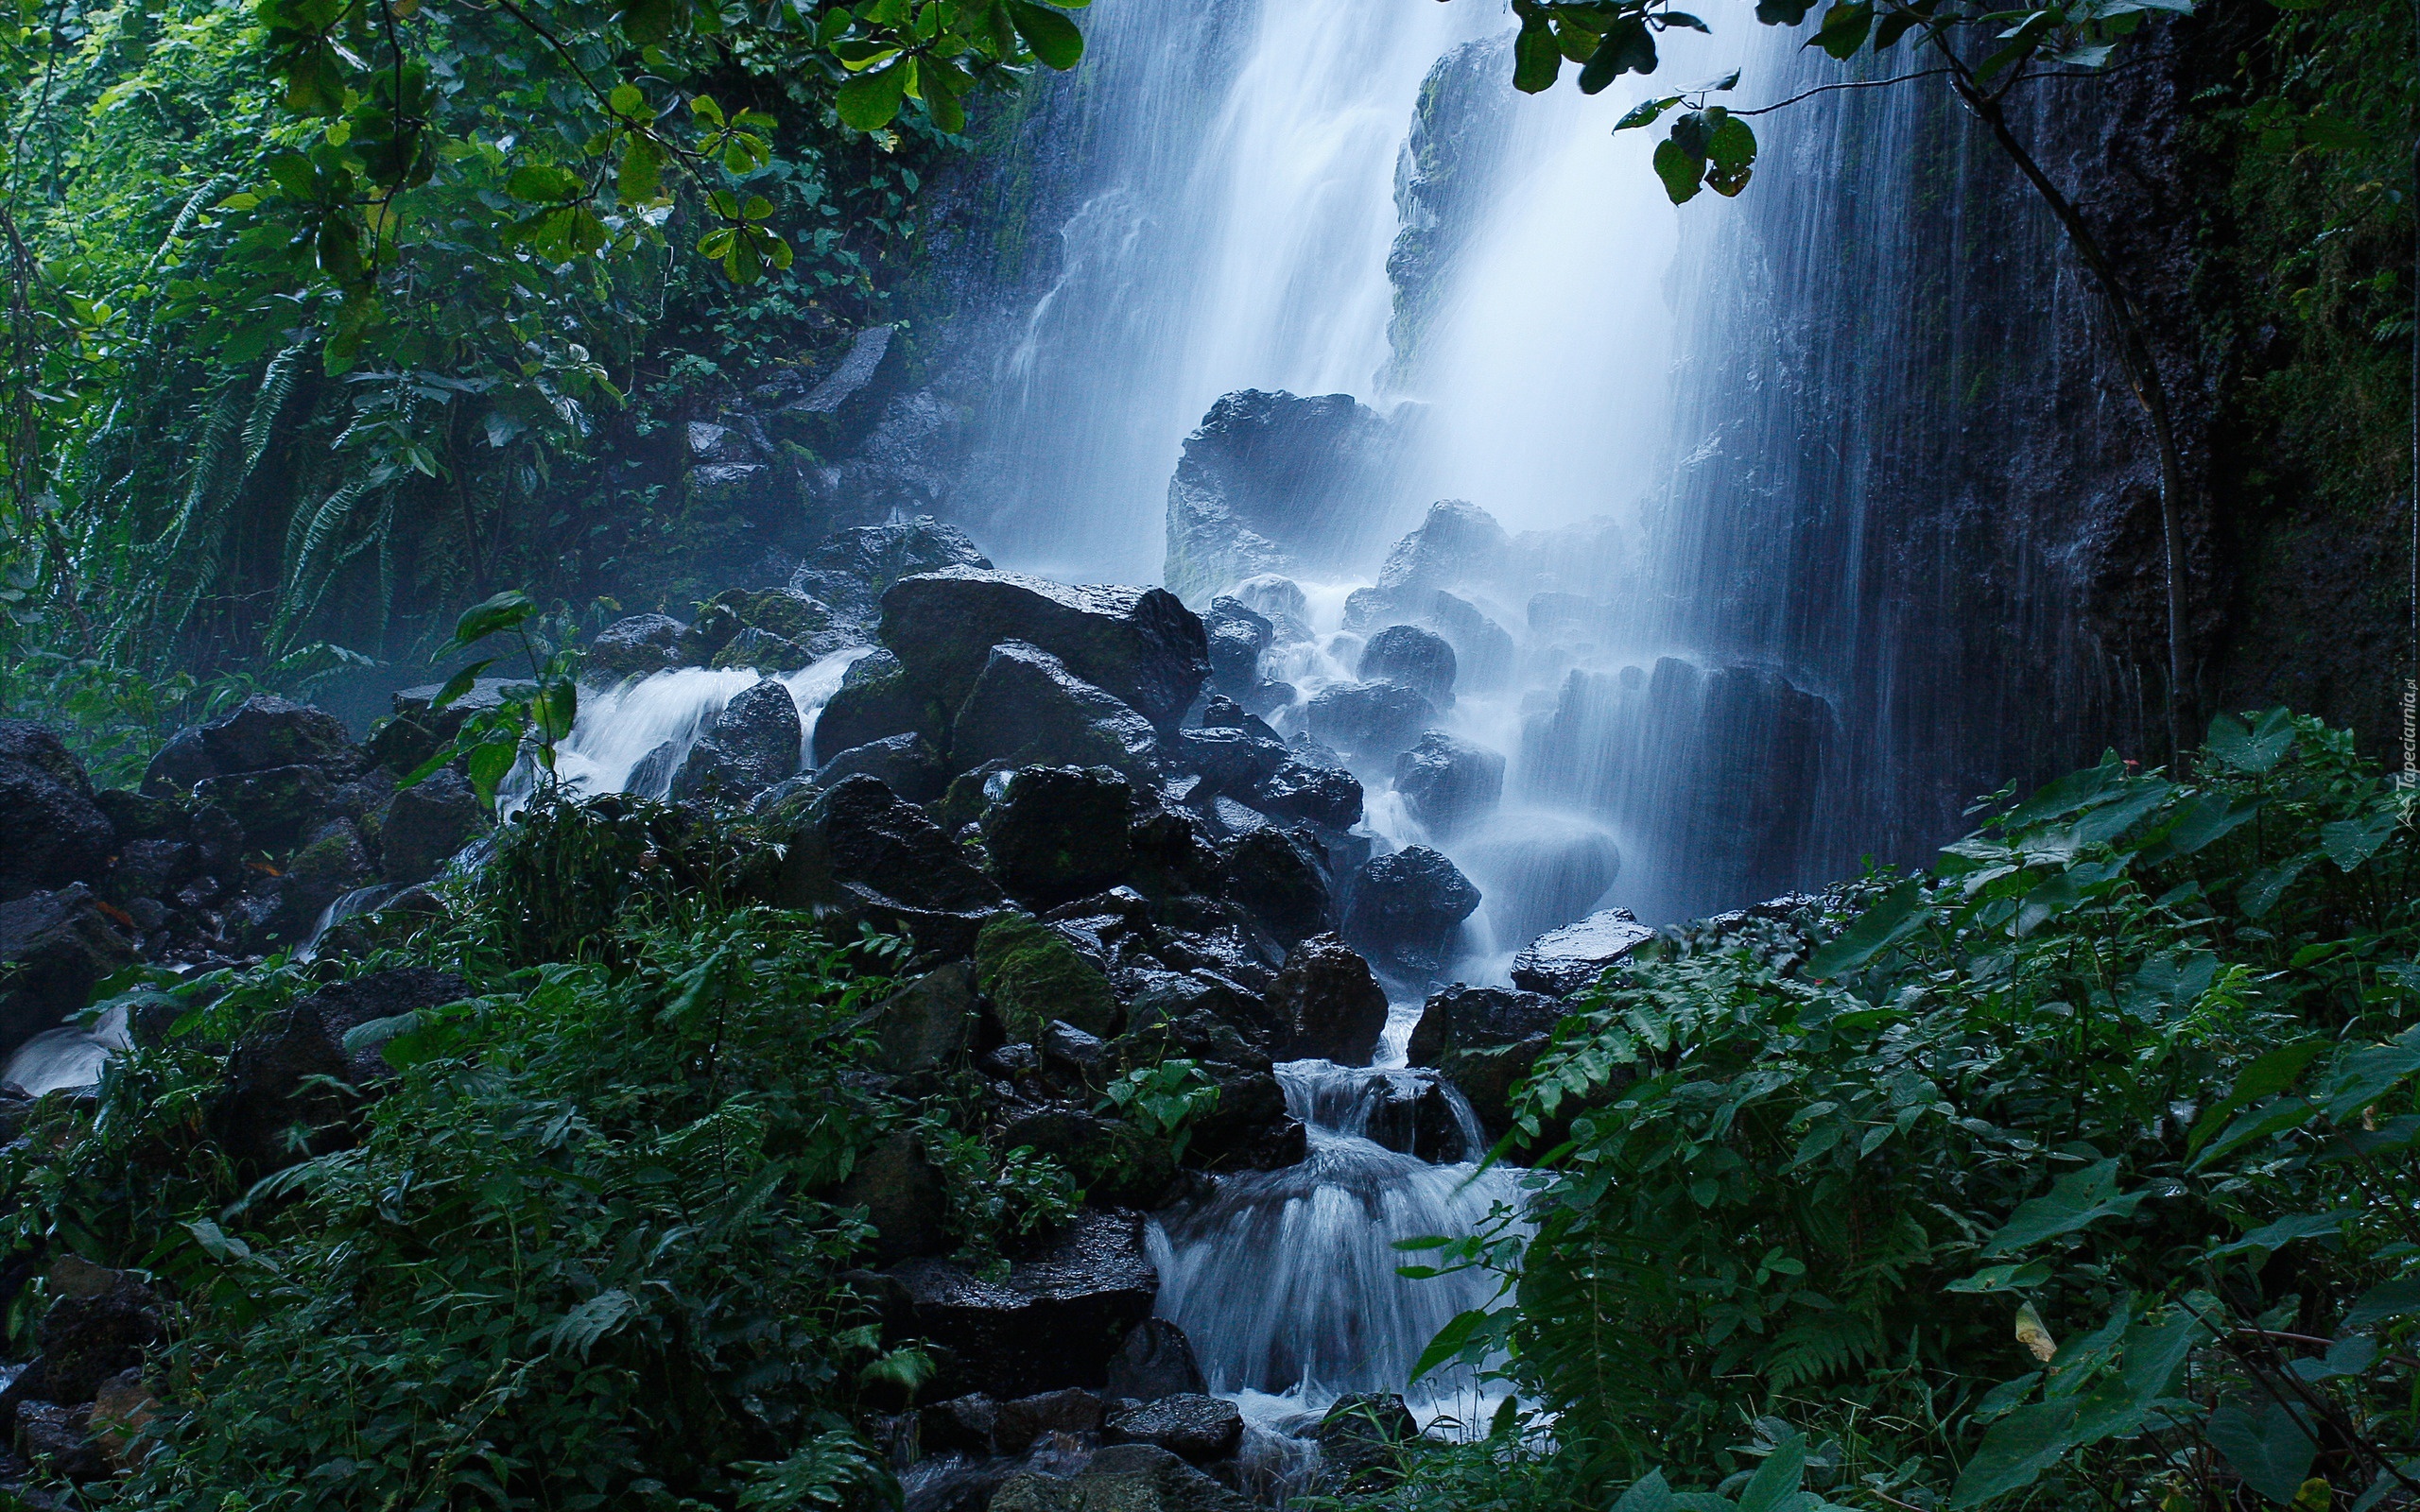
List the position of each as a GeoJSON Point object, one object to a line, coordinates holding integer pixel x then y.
{"type": "Point", "coordinates": [1027, 707]}
{"type": "Point", "coordinates": [334, 863]}
{"type": "Point", "coordinates": [875, 700]}
{"type": "Point", "coordinates": [182, 762]}
{"type": "Point", "coordinates": [850, 569]}
{"type": "Point", "coordinates": [1189, 1425]}
{"type": "Point", "coordinates": [1055, 1321]}
{"type": "Point", "coordinates": [1249, 1128]}
{"type": "Point", "coordinates": [1231, 759]}
{"type": "Point", "coordinates": [1405, 907]}
{"type": "Point", "coordinates": [265, 732]}
{"type": "Point", "coordinates": [750, 746]}
{"type": "Point", "coordinates": [1483, 650]}
{"type": "Point", "coordinates": [903, 1198]}
{"type": "Point", "coordinates": [1280, 600]}
{"type": "Point", "coordinates": [927, 1025]}
{"type": "Point", "coordinates": [1059, 833]}
{"type": "Point", "coordinates": [427, 823]}
{"type": "Point", "coordinates": [636, 645]}
{"type": "Point", "coordinates": [757, 649]}
{"type": "Point", "coordinates": [276, 808]}
{"type": "Point", "coordinates": [1033, 977]}
{"type": "Point", "coordinates": [1457, 542]}
{"type": "Point", "coordinates": [1489, 1076]}
{"type": "Point", "coordinates": [1196, 1014]}
{"type": "Point", "coordinates": [1361, 1437]}
{"type": "Point", "coordinates": [862, 850]}
{"type": "Point", "coordinates": [907, 764]}
{"type": "Point", "coordinates": [1330, 1006]}
{"type": "Point", "coordinates": [1311, 790]}
{"type": "Point", "coordinates": [1563, 961]}
{"type": "Point", "coordinates": [1238, 635]}
{"type": "Point", "coordinates": [1141, 646]}
{"type": "Point", "coordinates": [276, 1106]}
{"type": "Point", "coordinates": [55, 948]}
{"type": "Point", "coordinates": [1155, 1361]}
{"type": "Point", "coordinates": [1020, 1421]}
{"type": "Point", "coordinates": [1412, 658]}
{"type": "Point", "coordinates": [56, 833]}
{"type": "Point", "coordinates": [1479, 1018]}
{"type": "Point", "coordinates": [1370, 721]}
{"type": "Point", "coordinates": [100, 1324]}
{"type": "Point", "coordinates": [1272, 483]}
{"type": "Point", "coordinates": [1449, 783]}
{"type": "Point", "coordinates": [1120, 1478]}
{"type": "Point", "coordinates": [1280, 879]}
{"type": "Point", "coordinates": [1410, 1112]}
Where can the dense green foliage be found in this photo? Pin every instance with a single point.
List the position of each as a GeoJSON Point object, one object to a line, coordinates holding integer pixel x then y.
{"type": "Point", "coordinates": [2081, 1168]}
{"type": "Point", "coordinates": [585, 1249]}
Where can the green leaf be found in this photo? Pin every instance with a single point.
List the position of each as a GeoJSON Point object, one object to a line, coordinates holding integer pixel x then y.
{"type": "Point", "coordinates": [1892, 917]}
{"type": "Point", "coordinates": [1465, 1331]}
{"type": "Point", "coordinates": [1646, 114]}
{"type": "Point", "coordinates": [1053, 38]}
{"type": "Point", "coordinates": [2270, 1238]}
{"type": "Point", "coordinates": [2015, 1451]}
{"type": "Point", "coordinates": [1845, 27]}
{"type": "Point", "coordinates": [2397, 1298]}
{"type": "Point", "coordinates": [649, 22]}
{"type": "Point", "coordinates": [2075, 1201]}
{"type": "Point", "coordinates": [2255, 750]}
{"type": "Point", "coordinates": [2351, 842]}
{"type": "Point", "coordinates": [2273, 1117]}
{"type": "Point", "coordinates": [2363, 1076]}
{"type": "Point", "coordinates": [2261, 890]}
{"type": "Point", "coordinates": [1681, 171]}
{"type": "Point", "coordinates": [2068, 794]}
{"type": "Point", "coordinates": [555, 706]}
{"type": "Point", "coordinates": [1774, 1486]}
{"type": "Point", "coordinates": [490, 764]}
{"type": "Point", "coordinates": [459, 684]}
{"type": "Point", "coordinates": [581, 1329]}
{"type": "Point", "coordinates": [2271, 1073]}
{"type": "Point", "coordinates": [1649, 1495]}
{"type": "Point", "coordinates": [1783, 13]}
{"type": "Point", "coordinates": [2014, 1277]}
{"type": "Point", "coordinates": [869, 102]}
{"type": "Point", "coordinates": [1536, 59]}
{"type": "Point", "coordinates": [500, 612]}
{"type": "Point", "coordinates": [541, 184]}
{"type": "Point", "coordinates": [1626, 47]}
{"type": "Point", "coordinates": [2268, 1446]}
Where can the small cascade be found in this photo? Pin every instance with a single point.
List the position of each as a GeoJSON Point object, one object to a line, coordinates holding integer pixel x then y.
{"type": "Point", "coordinates": [66, 1057]}
{"type": "Point", "coordinates": [1285, 1282]}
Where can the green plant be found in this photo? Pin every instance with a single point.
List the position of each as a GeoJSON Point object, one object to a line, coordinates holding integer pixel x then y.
{"type": "Point", "coordinates": [1838, 1170]}
{"type": "Point", "coordinates": [1162, 1102]}
{"type": "Point", "coordinates": [526, 719]}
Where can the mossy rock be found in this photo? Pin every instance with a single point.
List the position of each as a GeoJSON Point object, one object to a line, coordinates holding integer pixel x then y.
{"type": "Point", "coordinates": [785, 612]}
{"type": "Point", "coordinates": [1033, 976]}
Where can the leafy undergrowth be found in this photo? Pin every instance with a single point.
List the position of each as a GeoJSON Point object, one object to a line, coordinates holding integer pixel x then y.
{"type": "Point", "coordinates": [588, 1247]}
{"type": "Point", "coordinates": [2077, 1171]}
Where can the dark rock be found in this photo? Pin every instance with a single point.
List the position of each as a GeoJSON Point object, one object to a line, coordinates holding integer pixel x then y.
{"type": "Point", "coordinates": [57, 1438]}
{"type": "Point", "coordinates": [1120, 1478]}
{"type": "Point", "coordinates": [757, 649]}
{"type": "Point", "coordinates": [636, 645]}
{"type": "Point", "coordinates": [1410, 1112]}
{"type": "Point", "coordinates": [1361, 1437]}
{"type": "Point", "coordinates": [1563, 961]}
{"type": "Point", "coordinates": [1155, 1361]}
{"type": "Point", "coordinates": [1065, 1134]}
{"type": "Point", "coordinates": [95, 1330]}
{"type": "Point", "coordinates": [1331, 1007]}
{"type": "Point", "coordinates": [1487, 1078]}
{"type": "Point", "coordinates": [334, 863]}
{"type": "Point", "coordinates": [1027, 707]}
{"type": "Point", "coordinates": [1019, 1422]}
{"type": "Point", "coordinates": [57, 946]}
{"type": "Point", "coordinates": [798, 619]}
{"type": "Point", "coordinates": [1249, 1130]}
{"type": "Point", "coordinates": [704, 639]}
{"type": "Point", "coordinates": [1412, 658]}
{"type": "Point", "coordinates": [927, 1025]}
{"type": "Point", "coordinates": [1188, 1424]}
{"type": "Point", "coordinates": [1141, 646]}
{"type": "Point", "coordinates": [150, 868]}
{"type": "Point", "coordinates": [277, 807]}
{"type": "Point", "coordinates": [1033, 977]}
{"type": "Point", "coordinates": [1479, 1018]}
{"type": "Point", "coordinates": [1458, 542]}
{"type": "Point", "coordinates": [425, 824]}
{"type": "Point", "coordinates": [1279, 878]}
{"type": "Point", "coordinates": [55, 832]}
{"type": "Point", "coordinates": [1281, 601]}
{"type": "Point", "coordinates": [1238, 635]}
{"type": "Point", "coordinates": [1054, 1322]}
{"type": "Point", "coordinates": [1070, 1052]}
{"type": "Point", "coordinates": [903, 1198]}
{"type": "Point", "coordinates": [1173, 854]}
{"type": "Point", "coordinates": [851, 569]}
{"type": "Point", "coordinates": [1447, 784]}
{"type": "Point", "coordinates": [875, 700]}
{"type": "Point", "coordinates": [182, 761]}
{"type": "Point", "coordinates": [1270, 483]}
{"type": "Point", "coordinates": [907, 764]}
{"type": "Point", "coordinates": [1405, 907]}
{"type": "Point", "coordinates": [650, 776]}
{"type": "Point", "coordinates": [961, 1425]}
{"type": "Point", "coordinates": [122, 1405]}
{"type": "Point", "coordinates": [750, 746]}
{"type": "Point", "coordinates": [1371, 721]}
{"type": "Point", "coordinates": [1483, 650]}
{"type": "Point", "coordinates": [1231, 759]}
{"type": "Point", "coordinates": [1196, 1014]}
{"type": "Point", "coordinates": [269, 1091]}
{"type": "Point", "coordinates": [1551, 870]}
{"type": "Point", "coordinates": [859, 845]}
{"type": "Point", "coordinates": [1059, 833]}
{"type": "Point", "coordinates": [1305, 790]}
{"type": "Point", "coordinates": [265, 732]}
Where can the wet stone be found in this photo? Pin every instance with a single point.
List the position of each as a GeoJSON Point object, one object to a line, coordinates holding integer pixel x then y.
{"type": "Point", "coordinates": [1188, 1424]}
